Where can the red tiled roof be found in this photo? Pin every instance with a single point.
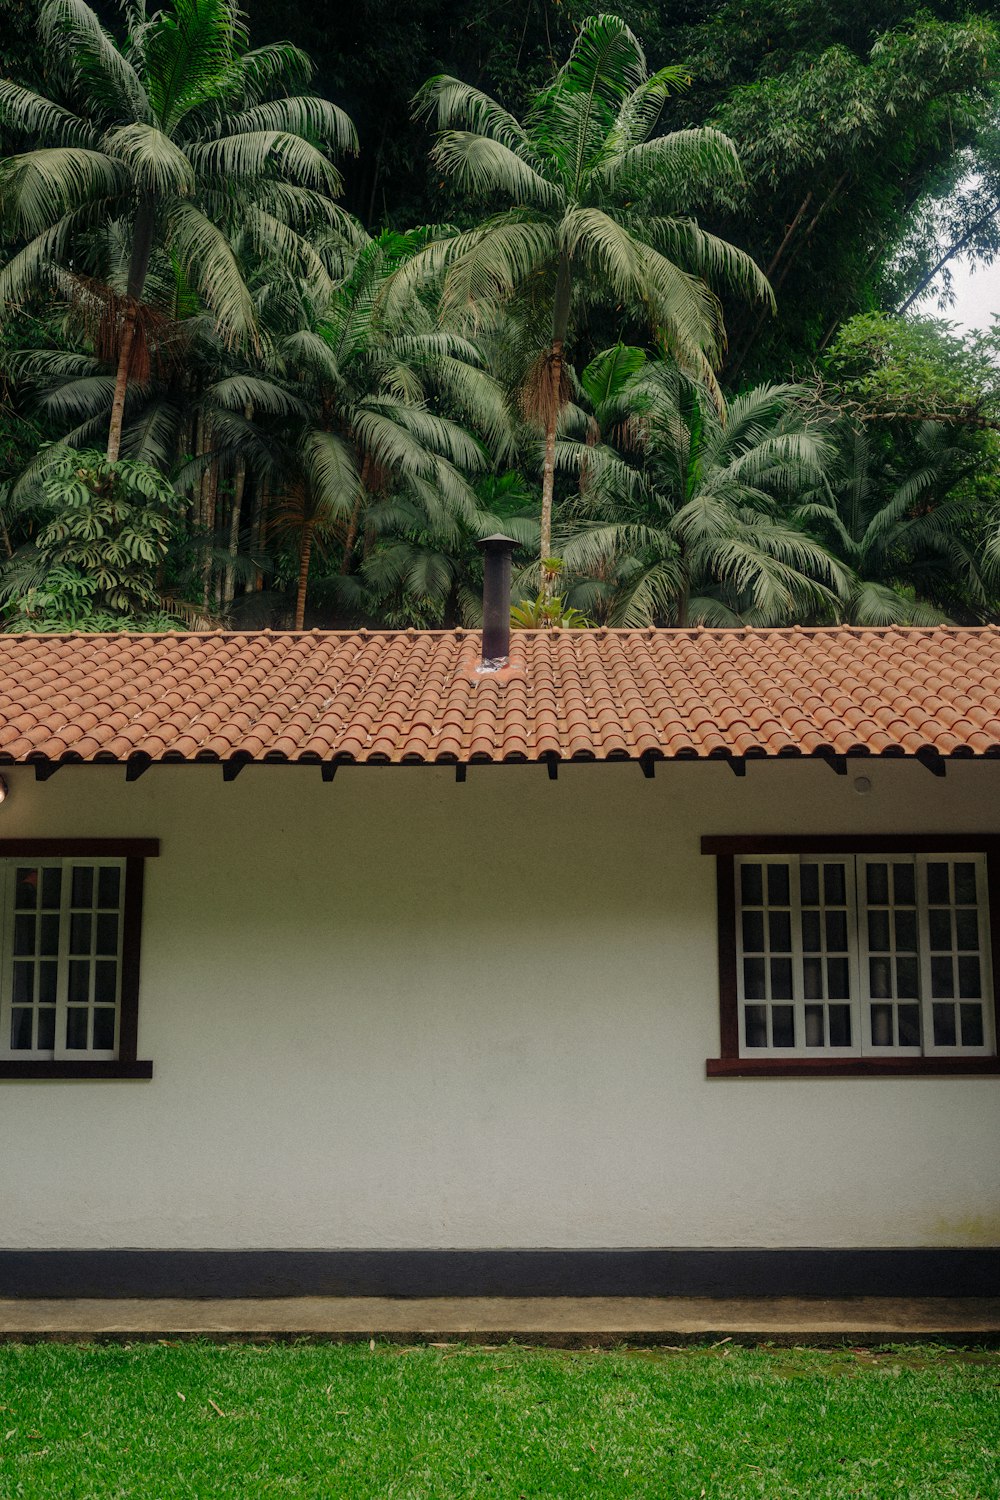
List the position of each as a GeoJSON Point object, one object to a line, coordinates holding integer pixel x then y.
{"type": "Point", "coordinates": [387, 696]}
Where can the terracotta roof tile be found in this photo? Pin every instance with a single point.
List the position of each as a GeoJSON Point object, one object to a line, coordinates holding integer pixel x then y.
{"type": "Point", "coordinates": [405, 696]}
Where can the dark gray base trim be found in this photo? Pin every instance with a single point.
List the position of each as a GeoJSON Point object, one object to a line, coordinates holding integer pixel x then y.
{"type": "Point", "coordinates": [500, 1273]}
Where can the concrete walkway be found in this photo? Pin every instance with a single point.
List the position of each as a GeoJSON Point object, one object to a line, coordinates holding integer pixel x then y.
{"type": "Point", "coordinates": [564, 1322]}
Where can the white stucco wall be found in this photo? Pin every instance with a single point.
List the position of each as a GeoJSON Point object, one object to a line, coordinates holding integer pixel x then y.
{"type": "Point", "coordinates": [395, 1011]}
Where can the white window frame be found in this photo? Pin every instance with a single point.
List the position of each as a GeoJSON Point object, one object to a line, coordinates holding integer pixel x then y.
{"type": "Point", "coordinates": [9, 865]}
{"type": "Point", "coordinates": [856, 864]}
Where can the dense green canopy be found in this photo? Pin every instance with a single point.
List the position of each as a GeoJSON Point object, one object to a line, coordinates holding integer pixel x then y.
{"type": "Point", "coordinates": [288, 325]}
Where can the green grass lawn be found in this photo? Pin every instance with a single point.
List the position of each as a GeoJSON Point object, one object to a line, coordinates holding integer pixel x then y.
{"type": "Point", "coordinates": [158, 1421]}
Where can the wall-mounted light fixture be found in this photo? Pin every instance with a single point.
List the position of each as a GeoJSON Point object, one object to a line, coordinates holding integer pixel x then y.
{"type": "Point", "coordinates": [4, 789]}
{"type": "Point", "coordinates": [862, 785]}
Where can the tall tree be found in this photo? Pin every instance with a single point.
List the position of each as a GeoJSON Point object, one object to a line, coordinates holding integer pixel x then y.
{"type": "Point", "coordinates": [373, 388]}
{"type": "Point", "coordinates": [174, 139]}
{"type": "Point", "coordinates": [683, 512]}
{"type": "Point", "coordinates": [598, 209]}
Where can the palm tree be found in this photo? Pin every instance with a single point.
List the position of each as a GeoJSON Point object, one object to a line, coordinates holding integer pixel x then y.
{"type": "Point", "coordinates": [169, 145]}
{"type": "Point", "coordinates": [385, 399]}
{"type": "Point", "coordinates": [907, 533]}
{"type": "Point", "coordinates": [597, 207]}
{"type": "Point", "coordinates": [684, 519]}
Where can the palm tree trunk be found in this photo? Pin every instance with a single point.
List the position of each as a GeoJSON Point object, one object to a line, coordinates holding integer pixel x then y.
{"type": "Point", "coordinates": [235, 516]}
{"type": "Point", "coordinates": [211, 496]}
{"type": "Point", "coordinates": [305, 551]}
{"type": "Point", "coordinates": [549, 462]}
{"type": "Point", "coordinates": [142, 246]}
{"type": "Point", "coordinates": [553, 408]}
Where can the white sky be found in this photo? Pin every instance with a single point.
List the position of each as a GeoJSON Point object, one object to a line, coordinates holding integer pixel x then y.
{"type": "Point", "coordinates": [977, 296]}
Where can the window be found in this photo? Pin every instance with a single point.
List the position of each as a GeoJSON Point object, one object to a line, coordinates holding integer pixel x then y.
{"type": "Point", "coordinates": [69, 957]}
{"type": "Point", "coordinates": [847, 958]}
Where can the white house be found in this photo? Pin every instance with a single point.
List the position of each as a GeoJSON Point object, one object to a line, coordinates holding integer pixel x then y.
{"type": "Point", "coordinates": [533, 995]}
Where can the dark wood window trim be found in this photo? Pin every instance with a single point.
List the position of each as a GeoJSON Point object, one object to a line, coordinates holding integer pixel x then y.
{"type": "Point", "coordinates": [134, 852]}
{"type": "Point", "coordinates": [730, 1064]}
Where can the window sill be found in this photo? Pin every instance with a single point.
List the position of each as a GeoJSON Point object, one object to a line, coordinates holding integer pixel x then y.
{"type": "Point", "coordinates": [12, 1068]}
{"type": "Point", "coordinates": [851, 1067]}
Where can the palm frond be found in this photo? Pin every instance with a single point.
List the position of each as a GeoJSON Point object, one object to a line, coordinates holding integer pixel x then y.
{"type": "Point", "coordinates": [253, 154]}
{"type": "Point", "coordinates": [207, 259]}
{"type": "Point", "coordinates": [304, 115]}
{"type": "Point", "coordinates": [484, 167]}
{"type": "Point", "coordinates": [71, 30]}
{"type": "Point", "coordinates": [41, 187]}
{"type": "Point", "coordinates": [42, 119]}
{"type": "Point", "coordinates": [155, 163]}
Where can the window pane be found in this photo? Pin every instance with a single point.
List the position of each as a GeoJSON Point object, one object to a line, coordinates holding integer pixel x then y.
{"type": "Point", "coordinates": [812, 978]}
{"type": "Point", "coordinates": [105, 982]}
{"type": "Point", "coordinates": [907, 987]}
{"type": "Point", "coordinates": [107, 933]}
{"type": "Point", "coordinates": [903, 885]}
{"type": "Point", "coordinates": [878, 884]}
{"type": "Point", "coordinates": [26, 889]}
{"type": "Point", "coordinates": [781, 980]}
{"type": "Point", "coordinates": [782, 1026]}
{"type": "Point", "coordinates": [751, 885]}
{"type": "Point", "coordinates": [972, 1025]}
{"type": "Point", "coordinates": [51, 886]}
{"type": "Point", "coordinates": [905, 923]}
{"type": "Point", "coordinates": [756, 1025]}
{"type": "Point", "coordinates": [942, 978]}
{"type": "Point", "coordinates": [777, 885]}
{"type": "Point", "coordinates": [753, 931]}
{"type": "Point", "coordinates": [49, 935]}
{"type": "Point", "coordinates": [840, 1025]}
{"type": "Point", "coordinates": [83, 885]}
{"type": "Point", "coordinates": [880, 977]}
{"type": "Point", "coordinates": [108, 886]}
{"type": "Point", "coordinates": [780, 931]}
{"type": "Point", "coordinates": [878, 931]}
{"type": "Point", "coordinates": [24, 984]}
{"type": "Point", "coordinates": [46, 1028]}
{"type": "Point", "coordinates": [814, 1026]}
{"type": "Point", "coordinates": [79, 932]}
{"type": "Point", "coordinates": [882, 1025]}
{"type": "Point", "coordinates": [944, 1025]}
{"type": "Point", "coordinates": [753, 979]}
{"type": "Point", "coordinates": [104, 1029]}
{"type": "Point", "coordinates": [965, 884]}
{"type": "Point", "coordinates": [836, 931]}
{"type": "Point", "coordinates": [20, 1030]}
{"type": "Point", "coordinates": [967, 928]}
{"type": "Point", "coordinates": [48, 976]}
{"type": "Point", "coordinates": [969, 982]}
{"type": "Point", "coordinates": [809, 884]}
{"type": "Point", "coordinates": [79, 981]}
{"type": "Point", "coordinates": [937, 884]}
{"type": "Point", "coordinates": [838, 979]}
{"type": "Point", "coordinates": [24, 934]}
{"type": "Point", "coordinates": [76, 1027]}
{"type": "Point", "coordinates": [834, 885]}
{"type": "Point", "coordinates": [811, 940]}
{"type": "Point", "coordinates": [939, 925]}
{"type": "Point", "coordinates": [908, 1017]}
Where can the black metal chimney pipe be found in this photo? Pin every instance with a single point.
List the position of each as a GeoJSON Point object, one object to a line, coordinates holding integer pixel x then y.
{"type": "Point", "coordinates": [496, 598]}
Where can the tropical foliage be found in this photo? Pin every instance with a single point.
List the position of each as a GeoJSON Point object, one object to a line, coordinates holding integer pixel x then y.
{"type": "Point", "coordinates": [666, 338]}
